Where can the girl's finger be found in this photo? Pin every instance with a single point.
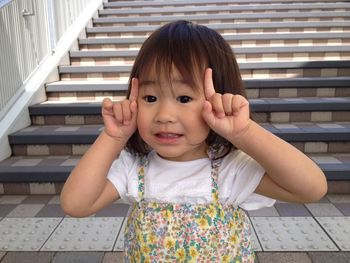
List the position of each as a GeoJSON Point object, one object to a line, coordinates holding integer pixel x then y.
{"type": "Point", "coordinates": [237, 103]}
{"type": "Point", "coordinates": [209, 89]}
{"type": "Point", "coordinates": [227, 103]}
{"type": "Point", "coordinates": [126, 111]}
{"type": "Point", "coordinates": [107, 106]}
{"type": "Point", "coordinates": [216, 102]}
{"type": "Point", "coordinates": [134, 89]}
{"type": "Point", "coordinates": [118, 112]}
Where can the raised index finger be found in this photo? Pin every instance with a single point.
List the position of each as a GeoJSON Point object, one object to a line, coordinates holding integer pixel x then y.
{"type": "Point", "coordinates": [209, 90]}
{"type": "Point", "coordinates": [134, 89]}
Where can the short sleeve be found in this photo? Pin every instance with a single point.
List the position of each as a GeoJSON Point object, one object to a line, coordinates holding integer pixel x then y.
{"type": "Point", "coordinates": [247, 176]}
{"type": "Point", "coordinates": [120, 171]}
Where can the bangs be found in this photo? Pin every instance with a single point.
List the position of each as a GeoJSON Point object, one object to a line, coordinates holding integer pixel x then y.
{"type": "Point", "coordinates": [174, 46]}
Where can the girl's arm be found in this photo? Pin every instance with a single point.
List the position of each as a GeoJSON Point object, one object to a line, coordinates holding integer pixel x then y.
{"type": "Point", "coordinates": [290, 174]}
{"type": "Point", "coordinates": [87, 188]}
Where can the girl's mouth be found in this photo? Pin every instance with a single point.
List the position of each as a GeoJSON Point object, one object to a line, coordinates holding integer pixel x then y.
{"type": "Point", "coordinates": [168, 137]}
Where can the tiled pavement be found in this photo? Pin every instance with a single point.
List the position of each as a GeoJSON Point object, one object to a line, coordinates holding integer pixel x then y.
{"type": "Point", "coordinates": [35, 229]}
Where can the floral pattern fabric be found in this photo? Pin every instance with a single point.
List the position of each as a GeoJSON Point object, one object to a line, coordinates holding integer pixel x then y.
{"type": "Point", "coordinates": [166, 232]}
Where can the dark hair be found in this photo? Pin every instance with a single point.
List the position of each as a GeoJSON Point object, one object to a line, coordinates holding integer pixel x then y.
{"type": "Point", "coordinates": [191, 48]}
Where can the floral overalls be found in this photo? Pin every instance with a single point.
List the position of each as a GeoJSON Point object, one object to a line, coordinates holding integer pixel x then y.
{"type": "Point", "coordinates": [167, 232]}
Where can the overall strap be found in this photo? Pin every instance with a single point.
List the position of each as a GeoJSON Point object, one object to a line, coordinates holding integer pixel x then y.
{"type": "Point", "coordinates": [141, 176]}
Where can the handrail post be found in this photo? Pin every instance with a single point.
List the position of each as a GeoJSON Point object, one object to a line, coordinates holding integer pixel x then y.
{"type": "Point", "coordinates": [25, 11]}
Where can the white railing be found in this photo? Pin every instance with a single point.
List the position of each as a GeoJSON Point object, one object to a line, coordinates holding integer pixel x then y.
{"type": "Point", "coordinates": [29, 32]}
{"type": "Point", "coordinates": [35, 37]}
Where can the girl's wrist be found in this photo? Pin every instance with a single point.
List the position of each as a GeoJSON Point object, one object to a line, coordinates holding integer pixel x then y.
{"type": "Point", "coordinates": [244, 136]}
{"type": "Point", "coordinates": [113, 139]}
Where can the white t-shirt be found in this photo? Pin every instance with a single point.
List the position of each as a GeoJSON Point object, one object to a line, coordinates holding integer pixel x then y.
{"type": "Point", "coordinates": [190, 182]}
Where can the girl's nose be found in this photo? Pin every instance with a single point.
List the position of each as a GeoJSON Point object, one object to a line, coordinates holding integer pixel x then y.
{"type": "Point", "coordinates": [166, 113]}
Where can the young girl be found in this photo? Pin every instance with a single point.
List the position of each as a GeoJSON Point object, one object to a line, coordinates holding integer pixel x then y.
{"type": "Point", "coordinates": [193, 157]}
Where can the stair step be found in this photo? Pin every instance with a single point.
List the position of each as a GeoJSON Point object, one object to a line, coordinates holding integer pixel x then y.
{"type": "Point", "coordinates": [280, 16]}
{"type": "Point", "coordinates": [87, 134]}
{"type": "Point", "coordinates": [257, 105]}
{"type": "Point", "coordinates": [338, 68]}
{"type": "Point", "coordinates": [243, 54]}
{"type": "Point", "coordinates": [274, 110]}
{"type": "Point", "coordinates": [256, 88]}
{"type": "Point", "coordinates": [199, 3]}
{"type": "Point", "coordinates": [26, 169]}
{"type": "Point", "coordinates": [314, 39]}
{"type": "Point", "coordinates": [243, 66]}
{"type": "Point", "coordinates": [237, 50]}
{"type": "Point", "coordinates": [112, 9]}
{"type": "Point", "coordinates": [231, 27]}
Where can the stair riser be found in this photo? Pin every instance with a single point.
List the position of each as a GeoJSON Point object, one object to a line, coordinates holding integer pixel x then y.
{"type": "Point", "coordinates": [234, 44]}
{"type": "Point", "coordinates": [241, 58]}
{"type": "Point", "coordinates": [76, 150]}
{"type": "Point", "coordinates": [47, 188]}
{"type": "Point", "coordinates": [217, 21]}
{"type": "Point", "coordinates": [230, 31]}
{"type": "Point", "coordinates": [246, 74]}
{"type": "Point", "coordinates": [252, 94]}
{"type": "Point", "coordinates": [275, 117]}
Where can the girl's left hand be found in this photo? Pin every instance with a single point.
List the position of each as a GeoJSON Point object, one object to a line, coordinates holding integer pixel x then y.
{"type": "Point", "coordinates": [227, 114]}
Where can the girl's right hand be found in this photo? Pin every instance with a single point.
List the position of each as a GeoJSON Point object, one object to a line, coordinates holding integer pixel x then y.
{"type": "Point", "coordinates": [120, 118]}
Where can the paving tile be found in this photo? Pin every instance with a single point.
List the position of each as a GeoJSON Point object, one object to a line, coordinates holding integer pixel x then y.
{"type": "Point", "coordinates": [6, 209]}
{"type": "Point", "coordinates": [25, 234]}
{"type": "Point", "coordinates": [37, 199]}
{"type": "Point", "coordinates": [53, 210]}
{"type": "Point", "coordinates": [25, 210]}
{"type": "Point", "coordinates": [344, 208]}
{"type": "Point", "coordinates": [325, 209]}
{"type": "Point", "coordinates": [268, 257]}
{"type": "Point", "coordinates": [55, 200]}
{"type": "Point", "coordinates": [2, 255]}
{"type": "Point", "coordinates": [266, 211]}
{"type": "Point", "coordinates": [12, 199]}
{"type": "Point", "coordinates": [327, 257]}
{"type": "Point", "coordinates": [77, 257]}
{"type": "Point", "coordinates": [28, 257]}
{"type": "Point", "coordinates": [114, 210]}
{"type": "Point", "coordinates": [288, 209]}
{"type": "Point", "coordinates": [291, 234]}
{"type": "Point", "coordinates": [119, 244]}
{"type": "Point", "coordinates": [84, 234]}
{"type": "Point", "coordinates": [339, 198]}
{"type": "Point", "coordinates": [338, 229]}
{"type": "Point", "coordinates": [113, 257]}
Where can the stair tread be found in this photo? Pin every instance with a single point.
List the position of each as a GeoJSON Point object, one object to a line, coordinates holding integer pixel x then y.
{"type": "Point", "coordinates": [212, 8]}
{"type": "Point", "coordinates": [195, 17]}
{"type": "Point", "coordinates": [237, 50]}
{"type": "Point", "coordinates": [238, 37]}
{"type": "Point", "coordinates": [183, 2]}
{"type": "Point", "coordinates": [242, 65]}
{"type": "Point", "coordinates": [107, 85]}
{"type": "Point", "coordinates": [86, 134]}
{"type": "Point", "coordinates": [257, 105]}
{"type": "Point", "coordinates": [57, 168]}
{"type": "Point", "coordinates": [254, 25]}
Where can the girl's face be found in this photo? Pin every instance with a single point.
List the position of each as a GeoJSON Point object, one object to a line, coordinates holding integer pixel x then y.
{"type": "Point", "coordinates": [170, 119]}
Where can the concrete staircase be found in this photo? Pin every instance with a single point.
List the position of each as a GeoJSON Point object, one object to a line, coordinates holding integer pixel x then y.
{"type": "Point", "coordinates": [294, 58]}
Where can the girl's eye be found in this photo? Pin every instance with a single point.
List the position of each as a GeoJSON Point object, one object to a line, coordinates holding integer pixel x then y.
{"type": "Point", "coordinates": [184, 99]}
{"type": "Point", "coordinates": [150, 98]}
